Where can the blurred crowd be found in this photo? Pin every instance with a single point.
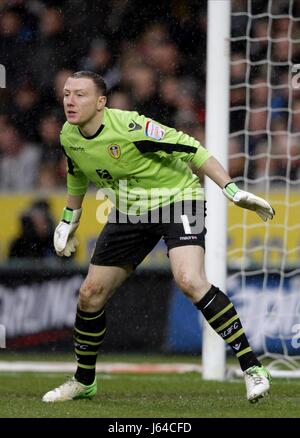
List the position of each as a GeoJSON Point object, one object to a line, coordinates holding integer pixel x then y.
{"type": "Point", "coordinates": [153, 58]}
{"type": "Point", "coordinates": [35, 239]}
{"type": "Point", "coordinates": [265, 97]}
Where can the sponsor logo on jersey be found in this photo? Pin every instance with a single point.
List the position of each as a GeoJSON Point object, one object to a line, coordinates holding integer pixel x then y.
{"type": "Point", "coordinates": [77, 148]}
{"type": "Point", "coordinates": [133, 126]}
{"type": "Point", "coordinates": [153, 130]}
{"type": "Point", "coordinates": [114, 151]}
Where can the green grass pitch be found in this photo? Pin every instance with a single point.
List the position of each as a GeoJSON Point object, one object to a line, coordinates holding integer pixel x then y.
{"type": "Point", "coordinates": [146, 396]}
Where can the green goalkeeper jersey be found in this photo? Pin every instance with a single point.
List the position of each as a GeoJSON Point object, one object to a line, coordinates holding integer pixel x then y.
{"type": "Point", "coordinates": [139, 163]}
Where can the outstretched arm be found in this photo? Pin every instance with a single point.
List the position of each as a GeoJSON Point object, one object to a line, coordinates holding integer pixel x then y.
{"type": "Point", "coordinates": [216, 172]}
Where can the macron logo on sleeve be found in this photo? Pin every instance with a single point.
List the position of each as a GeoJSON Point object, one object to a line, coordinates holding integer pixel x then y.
{"type": "Point", "coordinates": [133, 126]}
{"type": "Point", "coordinates": [153, 130]}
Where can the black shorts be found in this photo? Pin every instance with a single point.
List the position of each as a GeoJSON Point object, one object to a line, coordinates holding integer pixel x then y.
{"type": "Point", "coordinates": [127, 240]}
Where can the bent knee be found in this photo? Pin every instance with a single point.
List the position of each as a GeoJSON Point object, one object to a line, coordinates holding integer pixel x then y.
{"type": "Point", "coordinates": [194, 286]}
{"type": "Point", "coordinates": [89, 292]}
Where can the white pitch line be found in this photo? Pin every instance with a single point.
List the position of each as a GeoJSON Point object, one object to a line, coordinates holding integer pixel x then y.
{"type": "Point", "coordinates": [113, 367]}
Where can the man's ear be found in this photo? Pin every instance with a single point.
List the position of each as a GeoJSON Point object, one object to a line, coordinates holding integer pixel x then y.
{"type": "Point", "coordinates": [101, 102]}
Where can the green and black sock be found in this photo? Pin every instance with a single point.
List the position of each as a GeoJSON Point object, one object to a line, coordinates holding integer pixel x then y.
{"type": "Point", "coordinates": [220, 313]}
{"type": "Point", "coordinates": [89, 333]}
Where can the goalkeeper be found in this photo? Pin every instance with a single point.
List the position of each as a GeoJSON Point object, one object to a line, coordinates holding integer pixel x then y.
{"type": "Point", "coordinates": [109, 147]}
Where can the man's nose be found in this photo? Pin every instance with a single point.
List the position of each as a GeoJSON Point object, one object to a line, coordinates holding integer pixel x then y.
{"type": "Point", "coordinates": [70, 100]}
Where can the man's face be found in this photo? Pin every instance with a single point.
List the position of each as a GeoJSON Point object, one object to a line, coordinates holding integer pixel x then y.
{"type": "Point", "coordinates": [81, 100]}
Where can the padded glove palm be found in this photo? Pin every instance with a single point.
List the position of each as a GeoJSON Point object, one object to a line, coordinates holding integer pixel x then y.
{"type": "Point", "coordinates": [248, 200]}
{"type": "Point", "coordinates": [65, 243]}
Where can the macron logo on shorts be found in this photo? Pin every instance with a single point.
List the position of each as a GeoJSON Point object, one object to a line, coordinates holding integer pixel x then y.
{"type": "Point", "coordinates": [188, 238]}
{"type": "Point", "coordinates": [153, 130]}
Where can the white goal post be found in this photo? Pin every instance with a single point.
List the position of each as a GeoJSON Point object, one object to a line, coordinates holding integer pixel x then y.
{"type": "Point", "coordinates": [216, 140]}
{"type": "Point", "coordinates": [260, 265]}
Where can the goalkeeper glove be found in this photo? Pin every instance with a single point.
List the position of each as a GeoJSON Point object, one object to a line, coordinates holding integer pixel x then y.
{"type": "Point", "coordinates": [65, 243]}
{"type": "Point", "coordinates": [248, 200]}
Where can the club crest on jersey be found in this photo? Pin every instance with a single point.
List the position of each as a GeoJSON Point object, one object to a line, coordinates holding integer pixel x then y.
{"type": "Point", "coordinates": [153, 130]}
{"type": "Point", "coordinates": [114, 151]}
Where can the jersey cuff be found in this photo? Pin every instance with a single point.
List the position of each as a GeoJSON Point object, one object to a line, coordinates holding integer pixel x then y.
{"type": "Point", "coordinates": [200, 157]}
{"type": "Point", "coordinates": [77, 191]}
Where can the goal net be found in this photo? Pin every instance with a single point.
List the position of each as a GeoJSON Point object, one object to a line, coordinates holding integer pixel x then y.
{"type": "Point", "coordinates": [264, 158]}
